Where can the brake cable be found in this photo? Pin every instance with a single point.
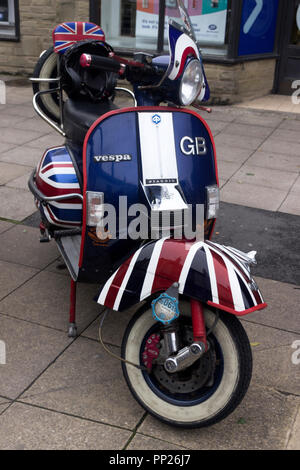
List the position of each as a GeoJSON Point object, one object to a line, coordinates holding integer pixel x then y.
{"type": "Point", "coordinates": [106, 311]}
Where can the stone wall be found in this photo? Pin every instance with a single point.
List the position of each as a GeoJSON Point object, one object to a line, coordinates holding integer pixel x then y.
{"type": "Point", "coordinates": [37, 20]}
{"type": "Point", "coordinates": [238, 82]}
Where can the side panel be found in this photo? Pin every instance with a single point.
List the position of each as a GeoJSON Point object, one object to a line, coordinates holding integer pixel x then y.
{"type": "Point", "coordinates": [56, 176]}
{"type": "Point", "coordinates": [204, 271]}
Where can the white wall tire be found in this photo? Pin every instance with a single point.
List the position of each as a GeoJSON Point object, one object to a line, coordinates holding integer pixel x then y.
{"type": "Point", "coordinates": [213, 406]}
{"type": "Point", "coordinates": [46, 67]}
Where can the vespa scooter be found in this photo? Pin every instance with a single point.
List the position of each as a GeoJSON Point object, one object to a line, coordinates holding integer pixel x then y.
{"type": "Point", "coordinates": [185, 356]}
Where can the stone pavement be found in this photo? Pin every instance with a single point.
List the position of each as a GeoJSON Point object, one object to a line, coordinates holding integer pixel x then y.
{"type": "Point", "coordinates": [61, 393]}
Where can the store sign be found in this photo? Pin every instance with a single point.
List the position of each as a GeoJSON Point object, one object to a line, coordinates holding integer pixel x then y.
{"type": "Point", "coordinates": [258, 26]}
{"type": "Point", "coordinates": [208, 18]}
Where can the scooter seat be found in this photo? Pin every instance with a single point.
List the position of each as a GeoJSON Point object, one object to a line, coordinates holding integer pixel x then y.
{"type": "Point", "coordinates": [79, 115]}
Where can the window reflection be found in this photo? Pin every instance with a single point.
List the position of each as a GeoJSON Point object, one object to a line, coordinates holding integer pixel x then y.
{"type": "Point", "coordinates": [4, 10]}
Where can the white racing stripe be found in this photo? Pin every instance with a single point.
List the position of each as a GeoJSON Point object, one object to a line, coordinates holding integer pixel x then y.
{"type": "Point", "coordinates": [107, 285]}
{"type": "Point", "coordinates": [235, 288]}
{"type": "Point", "coordinates": [157, 142]}
{"type": "Point", "coordinates": [212, 275]}
{"type": "Point", "coordinates": [126, 279]}
{"type": "Point", "coordinates": [187, 265]}
{"type": "Point", "coordinates": [150, 274]}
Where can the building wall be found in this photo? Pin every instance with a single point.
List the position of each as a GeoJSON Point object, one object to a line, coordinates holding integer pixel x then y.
{"type": "Point", "coordinates": [37, 20]}
{"type": "Point", "coordinates": [238, 82]}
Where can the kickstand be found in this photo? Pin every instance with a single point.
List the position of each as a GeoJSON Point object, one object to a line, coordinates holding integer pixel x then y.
{"type": "Point", "coordinates": [72, 332]}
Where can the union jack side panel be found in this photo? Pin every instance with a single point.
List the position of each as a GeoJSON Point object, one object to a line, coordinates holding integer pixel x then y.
{"type": "Point", "coordinates": [67, 34]}
{"type": "Point", "coordinates": [204, 270]}
{"type": "Point", "coordinates": [56, 176]}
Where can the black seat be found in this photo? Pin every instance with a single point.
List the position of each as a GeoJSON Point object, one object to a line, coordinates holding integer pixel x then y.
{"type": "Point", "coordinates": [79, 115]}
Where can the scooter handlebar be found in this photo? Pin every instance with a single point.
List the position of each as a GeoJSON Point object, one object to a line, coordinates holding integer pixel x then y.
{"type": "Point", "coordinates": [103, 63]}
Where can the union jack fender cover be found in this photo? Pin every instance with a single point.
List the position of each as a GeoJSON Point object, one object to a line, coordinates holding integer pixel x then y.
{"type": "Point", "coordinates": [67, 34]}
{"type": "Point", "coordinates": [205, 271]}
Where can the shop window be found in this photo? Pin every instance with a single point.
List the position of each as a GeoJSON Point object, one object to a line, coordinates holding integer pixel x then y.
{"type": "Point", "coordinates": [8, 16]}
{"type": "Point", "coordinates": [134, 24]}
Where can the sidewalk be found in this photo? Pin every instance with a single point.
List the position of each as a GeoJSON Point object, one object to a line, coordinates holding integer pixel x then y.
{"type": "Point", "coordinates": [60, 393]}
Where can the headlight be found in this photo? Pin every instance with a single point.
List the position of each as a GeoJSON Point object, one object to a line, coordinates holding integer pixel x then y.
{"type": "Point", "coordinates": [191, 83]}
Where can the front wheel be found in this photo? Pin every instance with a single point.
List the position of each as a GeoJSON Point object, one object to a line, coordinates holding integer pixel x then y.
{"type": "Point", "coordinates": [205, 392]}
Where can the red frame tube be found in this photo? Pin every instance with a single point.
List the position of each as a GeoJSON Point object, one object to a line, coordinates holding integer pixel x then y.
{"type": "Point", "coordinates": [198, 321]}
{"type": "Point", "coordinates": [72, 301]}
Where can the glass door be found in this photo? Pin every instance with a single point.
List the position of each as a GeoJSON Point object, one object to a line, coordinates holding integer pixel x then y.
{"type": "Point", "coordinates": [289, 64]}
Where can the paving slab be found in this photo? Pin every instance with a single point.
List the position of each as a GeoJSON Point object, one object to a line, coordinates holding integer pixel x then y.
{"type": "Point", "coordinates": [44, 299]}
{"type": "Point", "coordinates": [251, 195]}
{"type": "Point", "coordinates": [17, 204]}
{"type": "Point", "coordinates": [269, 178]}
{"type": "Point", "coordinates": [30, 348]}
{"type": "Point", "coordinates": [274, 369]}
{"type": "Point", "coordinates": [291, 204]}
{"type": "Point", "coordinates": [287, 135]}
{"type": "Point", "coordinates": [266, 338]}
{"type": "Point", "coordinates": [227, 169]}
{"type": "Point", "coordinates": [21, 245]}
{"type": "Point", "coordinates": [249, 130]}
{"type": "Point", "coordinates": [21, 182]}
{"type": "Point", "coordinates": [261, 119]}
{"type": "Point", "coordinates": [239, 141]}
{"type": "Point", "coordinates": [7, 120]}
{"type": "Point", "coordinates": [236, 155]}
{"type": "Point", "coordinates": [290, 124]}
{"type": "Point", "coordinates": [24, 427]}
{"type": "Point", "coordinates": [19, 110]}
{"type": "Point", "coordinates": [5, 146]}
{"type": "Point", "coordinates": [4, 226]}
{"type": "Point", "coordinates": [281, 146]}
{"type": "Point", "coordinates": [11, 171]}
{"type": "Point", "coordinates": [283, 306]}
{"type": "Point", "coordinates": [275, 161]}
{"type": "Point", "coordinates": [47, 141]}
{"type": "Point", "coordinates": [217, 126]}
{"type": "Point", "coordinates": [4, 407]}
{"type": "Point", "coordinates": [294, 437]}
{"type": "Point", "coordinates": [12, 276]}
{"type": "Point", "coordinates": [25, 155]}
{"type": "Point", "coordinates": [296, 186]}
{"type": "Point", "coordinates": [10, 135]}
{"type": "Point", "coordinates": [34, 124]}
{"type": "Point", "coordinates": [261, 422]}
{"type": "Point", "coordinates": [113, 328]}
{"type": "Point", "coordinates": [85, 381]}
{"type": "Point", "coordinates": [140, 442]}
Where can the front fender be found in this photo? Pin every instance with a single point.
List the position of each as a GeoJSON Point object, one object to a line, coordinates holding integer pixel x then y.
{"type": "Point", "coordinates": [205, 271]}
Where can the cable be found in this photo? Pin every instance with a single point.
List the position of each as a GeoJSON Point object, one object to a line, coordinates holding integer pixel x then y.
{"type": "Point", "coordinates": [108, 350]}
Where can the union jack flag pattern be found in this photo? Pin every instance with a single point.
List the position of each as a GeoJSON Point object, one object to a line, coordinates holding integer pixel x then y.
{"type": "Point", "coordinates": [206, 271]}
{"type": "Point", "coordinates": [56, 176]}
{"type": "Point", "coordinates": [67, 34]}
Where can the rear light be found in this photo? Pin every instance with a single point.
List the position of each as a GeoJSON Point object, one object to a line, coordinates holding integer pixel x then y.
{"type": "Point", "coordinates": [212, 202]}
{"type": "Point", "coordinates": [95, 208]}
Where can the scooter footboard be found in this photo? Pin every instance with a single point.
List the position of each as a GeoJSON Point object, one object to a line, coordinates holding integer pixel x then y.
{"type": "Point", "coordinates": [204, 271]}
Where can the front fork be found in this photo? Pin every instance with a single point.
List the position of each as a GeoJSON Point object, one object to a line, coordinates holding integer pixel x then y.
{"type": "Point", "coordinates": [185, 357]}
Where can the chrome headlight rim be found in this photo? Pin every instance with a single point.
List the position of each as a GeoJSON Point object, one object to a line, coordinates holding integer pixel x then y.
{"type": "Point", "coordinates": [191, 82]}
